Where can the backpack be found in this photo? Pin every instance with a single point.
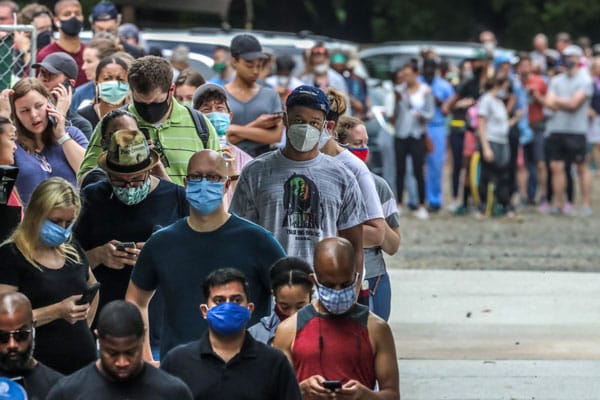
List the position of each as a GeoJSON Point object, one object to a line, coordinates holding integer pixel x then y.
{"type": "Point", "coordinates": [200, 124]}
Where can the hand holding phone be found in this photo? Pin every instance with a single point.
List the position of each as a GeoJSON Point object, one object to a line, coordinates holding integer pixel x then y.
{"type": "Point", "coordinates": [89, 294]}
{"type": "Point", "coordinates": [121, 246]}
{"type": "Point", "coordinates": [332, 385]}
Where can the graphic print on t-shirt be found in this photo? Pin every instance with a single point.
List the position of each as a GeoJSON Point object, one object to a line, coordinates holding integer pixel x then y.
{"type": "Point", "coordinates": [302, 206]}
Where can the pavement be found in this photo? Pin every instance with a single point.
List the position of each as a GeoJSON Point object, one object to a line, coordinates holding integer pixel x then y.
{"type": "Point", "coordinates": [496, 334]}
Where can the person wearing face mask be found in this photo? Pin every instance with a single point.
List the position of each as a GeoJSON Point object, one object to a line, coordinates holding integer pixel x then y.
{"type": "Point", "coordinates": [336, 339]}
{"type": "Point", "coordinates": [126, 208]}
{"type": "Point", "coordinates": [226, 348]}
{"type": "Point", "coordinates": [299, 193]}
{"type": "Point", "coordinates": [68, 18]}
{"type": "Point", "coordinates": [569, 96]}
{"type": "Point", "coordinates": [493, 129]}
{"type": "Point", "coordinates": [106, 18]}
{"type": "Point", "coordinates": [351, 133]}
{"type": "Point", "coordinates": [222, 66]}
{"type": "Point", "coordinates": [112, 89]}
{"type": "Point", "coordinates": [211, 100]}
{"type": "Point", "coordinates": [462, 138]}
{"type": "Point", "coordinates": [283, 82]}
{"type": "Point", "coordinates": [175, 131]}
{"type": "Point", "coordinates": [292, 290]}
{"type": "Point", "coordinates": [42, 261]}
{"type": "Point", "coordinates": [321, 74]}
{"type": "Point", "coordinates": [207, 240]}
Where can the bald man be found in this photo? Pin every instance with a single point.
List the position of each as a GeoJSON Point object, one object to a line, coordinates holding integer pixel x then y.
{"type": "Point", "coordinates": [178, 258]}
{"type": "Point", "coordinates": [16, 347]}
{"type": "Point", "coordinates": [336, 345]}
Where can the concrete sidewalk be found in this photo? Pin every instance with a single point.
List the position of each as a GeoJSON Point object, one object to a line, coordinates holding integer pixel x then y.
{"type": "Point", "coordinates": [497, 334]}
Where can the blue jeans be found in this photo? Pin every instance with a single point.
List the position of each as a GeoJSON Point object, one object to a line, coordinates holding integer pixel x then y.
{"type": "Point", "coordinates": [380, 296]}
{"type": "Point", "coordinates": [435, 165]}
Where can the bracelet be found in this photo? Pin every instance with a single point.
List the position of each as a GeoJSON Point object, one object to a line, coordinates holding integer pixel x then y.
{"type": "Point", "coordinates": [63, 138]}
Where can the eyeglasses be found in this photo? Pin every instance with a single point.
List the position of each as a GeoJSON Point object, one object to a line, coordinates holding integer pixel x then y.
{"type": "Point", "coordinates": [123, 183]}
{"type": "Point", "coordinates": [210, 178]}
{"type": "Point", "coordinates": [20, 335]}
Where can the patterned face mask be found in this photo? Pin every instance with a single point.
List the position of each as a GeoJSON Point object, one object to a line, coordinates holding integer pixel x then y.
{"type": "Point", "coordinates": [337, 301]}
{"type": "Point", "coordinates": [132, 195]}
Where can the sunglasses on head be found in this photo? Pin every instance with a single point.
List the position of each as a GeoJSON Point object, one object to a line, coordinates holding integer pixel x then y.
{"type": "Point", "coordinates": [20, 335]}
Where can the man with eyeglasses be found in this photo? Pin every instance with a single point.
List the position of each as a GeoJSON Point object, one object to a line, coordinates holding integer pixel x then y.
{"type": "Point", "coordinates": [173, 129]}
{"type": "Point", "coordinates": [175, 259]}
{"type": "Point", "coordinates": [16, 348]}
{"type": "Point", "coordinates": [119, 214]}
{"type": "Point", "coordinates": [337, 347]}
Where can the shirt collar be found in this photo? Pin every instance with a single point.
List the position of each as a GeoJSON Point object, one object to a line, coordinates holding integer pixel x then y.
{"type": "Point", "coordinates": [248, 349]}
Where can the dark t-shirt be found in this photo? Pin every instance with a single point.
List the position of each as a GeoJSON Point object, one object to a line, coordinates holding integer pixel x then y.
{"type": "Point", "coordinates": [104, 218]}
{"type": "Point", "coordinates": [37, 381]}
{"type": "Point", "coordinates": [89, 384]}
{"type": "Point", "coordinates": [60, 345]}
{"type": "Point", "coordinates": [177, 259]}
{"type": "Point", "coordinates": [89, 114]}
{"type": "Point", "coordinates": [470, 89]}
{"type": "Point", "coordinates": [257, 372]}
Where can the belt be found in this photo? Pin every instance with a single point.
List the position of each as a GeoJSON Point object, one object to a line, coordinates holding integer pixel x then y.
{"type": "Point", "coordinates": [457, 123]}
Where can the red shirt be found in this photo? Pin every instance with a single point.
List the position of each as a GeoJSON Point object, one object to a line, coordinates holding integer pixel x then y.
{"type": "Point", "coordinates": [538, 84]}
{"type": "Point", "coordinates": [78, 57]}
{"type": "Point", "coordinates": [335, 347]}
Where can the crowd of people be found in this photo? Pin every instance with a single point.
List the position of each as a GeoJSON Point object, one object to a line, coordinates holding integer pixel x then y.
{"type": "Point", "coordinates": [178, 238]}
{"type": "Point", "coordinates": [230, 232]}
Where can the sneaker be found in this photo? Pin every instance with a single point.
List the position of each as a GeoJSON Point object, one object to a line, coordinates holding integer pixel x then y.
{"type": "Point", "coordinates": [544, 208]}
{"type": "Point", "coordinates": [422, 213]}
{"type": "Point", "coordinates": [433, 209]}
{"type": "Point", "coordinates": [452, 207]}
{"type": "Point", "coordinates": [586, 212]}
{"type": "Point", "coordinates": [568, 209]}
{"type": "Point", "coordinates": [461, 210]}
{"type": "Point", "coordinates": [478, 215]}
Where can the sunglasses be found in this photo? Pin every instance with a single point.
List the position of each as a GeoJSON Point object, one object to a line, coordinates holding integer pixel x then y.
{"type": "Point", "coordinates": [19, 335]}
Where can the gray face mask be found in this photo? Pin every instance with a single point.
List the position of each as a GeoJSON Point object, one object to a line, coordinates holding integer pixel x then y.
{"type": "Point", "coordinates": [303, 137]}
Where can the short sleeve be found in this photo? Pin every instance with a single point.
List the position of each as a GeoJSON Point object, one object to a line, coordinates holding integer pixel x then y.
{"type": "Point", "coordinates": [243, 203]}
{"type": "Point", "coordinates": [483, 108]}
{"type": "Point", "coordinates": [78, 136]}
{"type": "Point", "coordinates": [10, 265]}
{"type": "Point", "coordinates": [353, 211]}
{"type": "Point", "coordinates": [144, 274]}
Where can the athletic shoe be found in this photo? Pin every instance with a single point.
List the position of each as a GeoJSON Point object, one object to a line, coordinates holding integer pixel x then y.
{"type": "Point", "coordinates": [452, 207]}
{"type": "Point", "coordinates": [568, 209]}
{"type": "Point", "coordinates": [544, 208]}
{"type": "Point", "coordinates": [586, 212]}
{"type": "Point", "coordinates": [460, 211]}
{"type": "Point", "coordinates": [422, 213]}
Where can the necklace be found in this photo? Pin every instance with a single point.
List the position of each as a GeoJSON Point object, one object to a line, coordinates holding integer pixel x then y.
{"type": "Point", "coordinates": [44, 164]}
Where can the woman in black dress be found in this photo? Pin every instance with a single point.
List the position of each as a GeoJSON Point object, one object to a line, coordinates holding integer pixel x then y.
{"type": "Point", "coordinates": [41, 261]}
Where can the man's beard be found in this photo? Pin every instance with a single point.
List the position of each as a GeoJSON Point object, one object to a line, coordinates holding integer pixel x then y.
{"type": "Point", "coordinates": [21, 363]}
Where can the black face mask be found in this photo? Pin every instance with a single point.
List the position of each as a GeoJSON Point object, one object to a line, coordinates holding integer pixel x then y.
{"type": "Point", "coordinates": [43, 39]}
{"type": "Point", "coordinates": [152, 112]}
{"type": "Point", "coordinates": [71, 26]}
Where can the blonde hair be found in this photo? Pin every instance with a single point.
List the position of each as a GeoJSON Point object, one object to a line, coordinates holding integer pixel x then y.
{"type": "Point", "coordinates": [50, 194]}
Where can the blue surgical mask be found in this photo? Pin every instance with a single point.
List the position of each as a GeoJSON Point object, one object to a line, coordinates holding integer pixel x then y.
{"type": "Point", "coordinates": [337, 301]}
{"type": "Point", "coordinates": [220, 121]}
{"type": "Point", "coordinates": [113, 92]}
{"type": "Point", "coordinates": [204, 196]}
{"type": "Point", "coordinates": [54, 235]}
{"type": "Point", "coordinates": [228, 318]}
{"type": "Point", "coordinates": [132, 195]}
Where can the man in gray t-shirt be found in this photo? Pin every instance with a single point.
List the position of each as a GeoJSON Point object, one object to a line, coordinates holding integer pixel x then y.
{"type": "Point", "coordinates": [299, 194]}
{"type": "Point", "coordinates": [569, 97]}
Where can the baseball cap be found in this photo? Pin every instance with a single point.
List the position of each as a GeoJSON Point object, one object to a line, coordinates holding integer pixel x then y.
{"type": "Point", "coordinates": [59, 62]}
{"type": "Point", "coordinates": [129, 30]}
{"type": "Point", "coordinates": [572, 50]}
{"type": "Point", "coordinates": [128, 153]}
{"type": "Point", "coordinates": [206, 88]}
{"type": "Point", "coordinates": [104, 11]}
{"type": "Point", "coordinates": [339, 58]}
{"type": "Point", "coordinates": [247, 47]}
{"type": "Point", "coordinates": [308, 96]}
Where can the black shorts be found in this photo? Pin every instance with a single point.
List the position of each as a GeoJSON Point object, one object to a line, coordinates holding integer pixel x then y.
{"type": "Point", "coordinates": [567, 147]}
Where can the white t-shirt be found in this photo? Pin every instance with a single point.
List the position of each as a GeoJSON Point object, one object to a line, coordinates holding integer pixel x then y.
{"type": "Point", "coordinates": [496, 118]}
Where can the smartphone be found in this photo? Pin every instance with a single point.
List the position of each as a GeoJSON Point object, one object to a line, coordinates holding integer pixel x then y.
{"type": "Point", "coordinates": [332, 385]}
{"type": "Point", "coordinates": [121, 246]}
{"type": "Point", "coordinates": [67, 84]}
{"type": "Point", "coordinates": [277, 114]}
{"type": "Point", "coordinates": [88, 294]}
{"type": "Point", "coordinates": [51, 119]}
